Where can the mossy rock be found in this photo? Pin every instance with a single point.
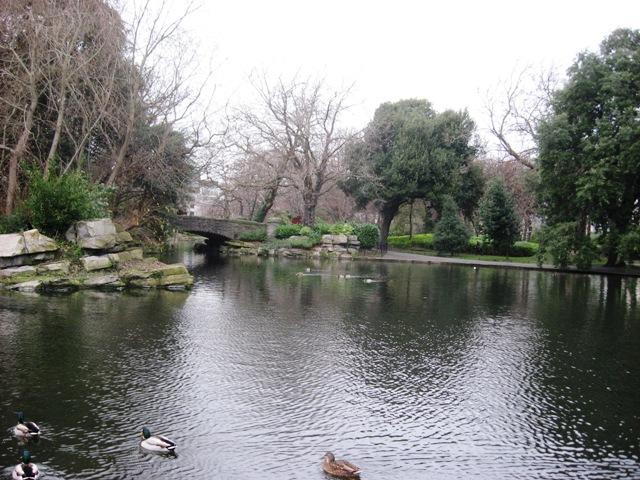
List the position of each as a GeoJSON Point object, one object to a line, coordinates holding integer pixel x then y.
{"type": "Point", "coordinates": [17, 274]}
{"type": "Point", "coordinates": [60, 285]}
{"type": "Point", "coordinates": [239, 244]}
{"type": "Point", "coordinates": [170, 270]}
{"type": "Point", "coordinates": [183, 279]}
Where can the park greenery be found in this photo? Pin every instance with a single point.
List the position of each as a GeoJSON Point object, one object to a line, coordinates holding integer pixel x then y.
{"type": "Point", "coordinates": [301, 236]}
{"type": "Point", "coordinates": [451, 234]}
{"type": "Point", "coordinates": [100, 115]}
{"type": "Point", "coordinates": [498, 217]}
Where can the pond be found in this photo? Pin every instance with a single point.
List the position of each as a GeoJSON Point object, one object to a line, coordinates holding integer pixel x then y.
{"type": "Point", "coordinates": [435, 371]}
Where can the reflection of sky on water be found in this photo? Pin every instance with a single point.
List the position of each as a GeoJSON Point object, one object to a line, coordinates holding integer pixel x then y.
{"type": "Point", "coordinates": [440, 370]}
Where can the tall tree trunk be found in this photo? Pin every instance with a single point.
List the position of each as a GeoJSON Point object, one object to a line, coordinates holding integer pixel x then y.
{"type": "Point", "coordinates": [17, 153]}
{"type": "Point", "coordinates": [310, 201]}
{"type": "Point", "coordinates": [387, 213]}
{"type": "Point", "coordinates": [411, 219]}
{"type": "Point", "coordinates": [269, 198]}
{"type": "Point", "coordinates": [56, 136]}
{"type": "Point", "coordinates": [613, 240]}
{"type": "Point", "coordinates": [122, 151]}
{"type": "Point", "coordinates": [309, 212]}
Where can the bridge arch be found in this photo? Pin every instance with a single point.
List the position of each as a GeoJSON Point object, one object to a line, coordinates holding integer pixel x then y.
{"type": "Point", "coordinates": [216, 230]}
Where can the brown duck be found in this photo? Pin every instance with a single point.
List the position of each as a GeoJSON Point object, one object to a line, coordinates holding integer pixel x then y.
{"type": "Point", "coordinates": [339, 468]}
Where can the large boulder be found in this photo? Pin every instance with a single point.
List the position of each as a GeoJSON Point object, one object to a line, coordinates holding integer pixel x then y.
{"type": "Point", "coordinates": [61, 267]}
{"type": "Point", "coordinates": [30, 286]}
{"type": "Point", "coordinates": [12, 245]}
{"type": "Point", "coordinates": [99, 234]}
{"type": "Point", "coordinates": [111, 280]}
{"type": "Point", "coordinates": [96, 262]}
{"type": "Point", "coordinates": [125, 256]}
{"type": "Point", "coordinates": [340, 239]}
{"type": "Point", "coordinates": [16, 273]}
{"type": "Point", "coordinates": [25, 248]}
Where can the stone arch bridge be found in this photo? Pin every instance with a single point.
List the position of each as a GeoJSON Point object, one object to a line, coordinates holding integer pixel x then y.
{"type": "Point", "coordinates": [215, 229]}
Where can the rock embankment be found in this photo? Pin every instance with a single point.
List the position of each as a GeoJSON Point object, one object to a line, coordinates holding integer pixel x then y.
{"type": "Point", "coordinates": [332, 246]}
{"type": "Point", "coordinates": [109, 259]}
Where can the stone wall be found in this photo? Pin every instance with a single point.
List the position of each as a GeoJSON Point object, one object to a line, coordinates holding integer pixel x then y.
{"type": "Point", "coordinates": [333, 246]}
{"type": "Point", "coordinates": [111, 260]}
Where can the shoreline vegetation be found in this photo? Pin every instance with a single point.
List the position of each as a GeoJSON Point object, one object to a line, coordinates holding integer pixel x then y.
{"type": "Point", "coordinates": [418, 248]}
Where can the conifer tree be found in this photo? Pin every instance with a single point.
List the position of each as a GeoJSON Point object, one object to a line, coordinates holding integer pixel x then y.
{"type": "Point", "coordinates": [499, 220]}
{"type": "Point", "coordinates": [451, 234]}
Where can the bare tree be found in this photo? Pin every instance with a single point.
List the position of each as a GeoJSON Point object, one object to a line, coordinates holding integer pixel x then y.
{"type": "Point", "coordinates": [23, 54]}
{"type": "Point", "coordinates": [157, 81]}
{"type": "Point", "coordinates": [53, 55]}
{"type": "Point", "coordinates": [516, 108]}
{"type": "Point", "coordinates": [298, 124]}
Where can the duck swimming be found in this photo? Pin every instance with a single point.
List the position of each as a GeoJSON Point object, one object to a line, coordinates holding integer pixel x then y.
{"type": "Point", "coordinates": [25, 429]}
{"type": "Point", "coordinates": [25, 470]}
{"type": "Point", "coordinates": [339, 468]}
{"type": "Point", "coordinates": [156, 443]}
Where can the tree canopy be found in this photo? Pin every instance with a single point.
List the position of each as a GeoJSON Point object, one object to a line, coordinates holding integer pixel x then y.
{"type": "Point", "coordinates": [407, 151]}
{"type": "Point", "coordinates": [590, 146]}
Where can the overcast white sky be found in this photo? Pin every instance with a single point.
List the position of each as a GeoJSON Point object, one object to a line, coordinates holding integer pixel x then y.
{"type": "Point", "coordinates": [447, 52]}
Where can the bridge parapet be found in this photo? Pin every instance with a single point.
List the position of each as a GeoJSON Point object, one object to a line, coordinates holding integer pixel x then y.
{"type": "Point", "coordinates": [216, 228]}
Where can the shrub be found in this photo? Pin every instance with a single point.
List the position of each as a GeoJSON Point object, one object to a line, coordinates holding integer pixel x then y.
{"type": "Point", "coordinates": [524, 249]}
{"type": "Point", "coordinates": [304, 242]}
{"type": "Point", "coordinates": [400, 241]}
{"type": "Point", "coordinates": [341, 229]}
{"type": "Point", "coordinates": [16, 222]}
{"type": "Point", "coordinates": [259, 235]}
{"type": "Point", "coordinates": [306, 231]}
{"type": "Point", "coordinates": [629, 246]}
{"type": "Point", "coordinates": [367, 233]}
{"type": "Point", "coordinates": [54, 203]}
{"type": "Point", "coordinates": [420, 240]}
{"type": "Point", "coordinates": [479, 245]}
{"type": "Point", "coordinates": [564, 246]}
{"type": "Point", "coordinates": [287, 230]}
{"type": "Point", "coordinates": [451, 234]}
{"type": "Point", "coordinates": [322, 228]}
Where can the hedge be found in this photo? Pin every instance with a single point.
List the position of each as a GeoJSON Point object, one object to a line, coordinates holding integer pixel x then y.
{"type": "Point", "coordinates": [478, 245]}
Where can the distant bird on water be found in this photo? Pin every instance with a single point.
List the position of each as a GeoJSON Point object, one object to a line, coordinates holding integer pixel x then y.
{"type": "Point", "coordinates": [339, 468]}
{"type": "Point", "coordinates": [25, 429]}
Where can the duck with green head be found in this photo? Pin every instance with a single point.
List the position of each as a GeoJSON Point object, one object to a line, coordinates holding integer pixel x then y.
{"type": "Point", "coordinates": [156, 443]}
{"type": "Point", "coordinates": [25, 429]}
{"type": "Point", "coordinates": [25, 470]}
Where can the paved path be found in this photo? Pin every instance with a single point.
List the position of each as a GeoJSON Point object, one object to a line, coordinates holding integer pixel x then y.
{"type": "Point", "coordinates": [407, 257]}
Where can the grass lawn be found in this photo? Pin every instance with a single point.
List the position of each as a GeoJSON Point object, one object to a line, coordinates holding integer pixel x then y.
{"type": "Point", "coordinates": [469, 256]}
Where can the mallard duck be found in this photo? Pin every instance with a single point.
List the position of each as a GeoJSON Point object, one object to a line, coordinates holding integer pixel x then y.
{"type": "Point", "coordinates": [25, 429]}
{"type": "Point", "coordinates": [25, 470]}
{"type": "Point", "coordinates": [156, 443]}
{"type": "Point", "coordinates": [339, 468]}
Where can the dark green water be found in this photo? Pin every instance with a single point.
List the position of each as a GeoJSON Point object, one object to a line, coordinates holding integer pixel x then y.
{"type": "Point", "coordinates": [441, 372]}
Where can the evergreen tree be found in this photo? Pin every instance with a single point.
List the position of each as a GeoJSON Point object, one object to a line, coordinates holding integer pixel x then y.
{"type": "Point", "coordinates": [590, 146]}
{"type": "Point", "coordinates": [408, 151]}
{"type": "Point", "coordinates": [451, 234]}
{"type": "Point", "coordinates": [498, 216]}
